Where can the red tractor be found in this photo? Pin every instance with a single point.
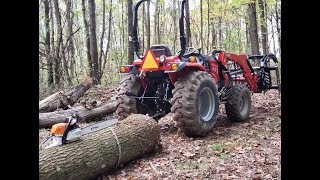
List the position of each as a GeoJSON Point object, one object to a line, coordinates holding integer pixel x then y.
{"type": "Point", "coordinates": [190, 84]}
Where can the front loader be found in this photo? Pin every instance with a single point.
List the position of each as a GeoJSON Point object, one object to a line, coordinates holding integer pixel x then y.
{"type": "Point", "coordinates": [190, 84]}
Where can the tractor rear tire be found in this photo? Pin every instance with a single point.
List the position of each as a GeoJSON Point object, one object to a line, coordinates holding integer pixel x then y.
{"type": "Point", "coordinates": [238, 104]}
{"type": "Point", "coordinates": [195, 103]}
{"type": "Point", "coordinates": [127, 104]}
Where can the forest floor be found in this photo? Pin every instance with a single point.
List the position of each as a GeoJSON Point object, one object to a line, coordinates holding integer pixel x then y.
{"type": "Point", "coordinates": [246, 150]}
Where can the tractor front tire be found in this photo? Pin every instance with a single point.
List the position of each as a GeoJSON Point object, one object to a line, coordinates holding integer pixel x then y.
{"type": "Point", "coordinates": [195, 103]}
{"type": "Point", "coordinates": [238, 104]}
{"type": "Point", "coordinates": [127, 104]}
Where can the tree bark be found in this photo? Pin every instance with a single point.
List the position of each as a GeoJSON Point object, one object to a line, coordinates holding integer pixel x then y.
{"type": "Point", "coordinates": [62, 99]}
{"type": "Point", "coordinates": [46, 120]}
{"type": "Point", "coordinates": [220, 27]}
{"type": "Point", "coordinates": [201, 26]}
{"type": "Point", "coordinates": [57, 58]}
{"type": "Point", "coordinates": [273, 38]}
{"type": "Point", "coordinates": [278, 18]}
{"type": "Point", "coordinates": [214, 35]}
{"type": "Point", "coordinates": [263, 25]}
{"type": "Point", "coordinates": [208, 24]}
{"type": "Point", "coordinates": [148, 25]}
{"type": "Point", "coordinates": [93, 42]}
{"type": "Point", "coordinates": [101, 151]}
{"type": "Point", "coordinates": [143, 26]}
{"type": "Point", "coordinates": [109, 39]}
{"type": "Point", "coordinates": [102, 36]}
{"type": "Point", "coordinates": [248, 43]}
{"type": "Point", "coordinates": [70, 44]}
{"type": "Point", "coordinates": [47, 44]}
{"type": "Point", "coordinates": [174, 20]}
{"type": "Point", "coordinates": [130, 33]}
{"type": "Point", "coordinates": [253, 28]}
{"type": "Point", "coordinates": [188, 31]}
{"type": "Point", "coordinates": [122, 30]}
{"type": "Point", "coordinates": [86, 25]}
{"type": "Point", "coordinates": [156, 23]}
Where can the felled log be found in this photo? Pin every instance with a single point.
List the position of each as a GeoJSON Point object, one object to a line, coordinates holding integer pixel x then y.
{"type": "Point", "coordinates": [101, 151]}
{"type": "Point", "coordinates": [46, 120]}
{"type": "Point", "coordinates": [62, 99]}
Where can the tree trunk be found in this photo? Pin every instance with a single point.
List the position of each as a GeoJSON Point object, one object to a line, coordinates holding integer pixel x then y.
{"type": "Point", "coordinates": [214, 35]}
{"type": "Point", "coordinates": [86, 25]}
{"type": "Point", "coordinates": [47, 44]}
{"type": "Point", "coordinates": [175, 23]}
{"type": "Point", "coordinates": [109, 39]}
{"type": "Point", "coordinates": [93, 42]}
{"type": "Point", "coordinates": [156, 22]}
{"type": "Point", "coordinates": [130, 33]}
{"type": "Point", "coordinates": [273, 38]}
{"type": "Point", "coordinates": [70, 43]}
{"type": "Point", "coordinates": [201, 26]}
{"type": "Point", "coordinates": [188, 31]}
{"type": "Point", "coordinates": [62, 99]}
{"type": "Point", "coordinates": [57, 58]}
{"type": "Point", "coordinates": [102, 36]}
{"type": "Point", "coordinates": [148, 25]}
{"type": "Point", "coordinates": [278, 26]}
{"type": "Point", "coordinates": [248, 46]}
{"type": "Point", "coordinates": [122, 34]}
{"type": "Point", "coordinates": [253, 28]}
{"type": "Point", "coordinates": [263, 24]}
{"type": "Point", "coordinates": [101, 151]}
{"type": "Point", "coordinates": [46, 120]}
{"type": "Point", "coordinates": [220, 26]}
{"type": "Point", "coordinates": [143, 26]}
{"type": "Point", "coordinates": [208, 24]}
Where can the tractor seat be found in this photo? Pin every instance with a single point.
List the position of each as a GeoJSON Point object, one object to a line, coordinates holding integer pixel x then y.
{"type": "Point", "coordinates": [206, 57]}
{"type": "Point", "coordinates": [159, 50]}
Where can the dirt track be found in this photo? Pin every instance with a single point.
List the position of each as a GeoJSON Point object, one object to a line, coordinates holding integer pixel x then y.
{"type": "Point", "coordinates": [247, 150]}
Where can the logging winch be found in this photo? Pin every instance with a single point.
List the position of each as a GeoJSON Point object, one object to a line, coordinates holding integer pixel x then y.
{"type": "Point", "coordinates": [69, 131]}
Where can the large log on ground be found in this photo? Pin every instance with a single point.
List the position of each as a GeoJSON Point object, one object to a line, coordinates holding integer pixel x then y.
{"type": "Point", "coordinates": [101, 151]}
{"type": "Point", "coordinates": [62, 99]}
{"type": "Point", "coordinates": [46, 120]}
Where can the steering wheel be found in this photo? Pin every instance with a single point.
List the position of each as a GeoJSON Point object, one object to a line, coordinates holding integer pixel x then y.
{"type": "Point", "coordinates": [188, 51]}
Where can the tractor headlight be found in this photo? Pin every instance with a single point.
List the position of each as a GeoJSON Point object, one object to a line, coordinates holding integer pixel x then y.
{"type": "Point", "coordinates": [162, 58]}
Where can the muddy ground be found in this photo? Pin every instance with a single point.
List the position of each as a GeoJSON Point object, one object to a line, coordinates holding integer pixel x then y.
{"type": "Point", "coordinates": [247, 150]}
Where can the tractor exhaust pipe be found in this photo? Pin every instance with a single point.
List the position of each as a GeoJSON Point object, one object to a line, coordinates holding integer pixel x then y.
{"type": "Point", "coordinates": [181, 28]}
{"type": "Point", "coordinates": [135, 38]}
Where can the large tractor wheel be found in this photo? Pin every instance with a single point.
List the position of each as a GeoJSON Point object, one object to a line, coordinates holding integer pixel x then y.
{"type": "Point", "coordinates": [238, 104]}
{"type": "Point", "coordinates": [195, 103]}
{"type": "Point", "coordinates": [127, 104]}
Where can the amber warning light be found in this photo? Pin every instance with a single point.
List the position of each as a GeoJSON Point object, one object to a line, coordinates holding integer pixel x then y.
{"type": "Point", "coordinates": [125, 69]}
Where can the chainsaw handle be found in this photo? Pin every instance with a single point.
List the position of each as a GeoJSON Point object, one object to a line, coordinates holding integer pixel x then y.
{"type": "Point", "coordinates": [69, 126]}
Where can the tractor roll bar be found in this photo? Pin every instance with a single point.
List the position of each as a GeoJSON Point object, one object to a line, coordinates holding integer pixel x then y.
{"type": "Point", "coordinates": [135, 39]}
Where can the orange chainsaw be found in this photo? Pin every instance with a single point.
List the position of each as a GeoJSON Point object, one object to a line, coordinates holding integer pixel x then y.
{"type": "Point", "coordinates": [70, 131]}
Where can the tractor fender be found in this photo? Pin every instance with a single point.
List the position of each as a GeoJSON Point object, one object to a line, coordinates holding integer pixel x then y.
{"type": "Point", "coordinates": [134, 70]}
{"type": "Point", "coordinates": [186, 65]}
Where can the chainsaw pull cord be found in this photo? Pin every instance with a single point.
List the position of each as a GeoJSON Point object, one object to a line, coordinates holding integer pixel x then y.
{"type": "Point", "coordinates": [118, 143]}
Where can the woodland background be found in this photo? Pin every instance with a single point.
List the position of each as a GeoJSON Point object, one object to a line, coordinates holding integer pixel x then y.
{"type": "Point", "coordinates": [80, 38]}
